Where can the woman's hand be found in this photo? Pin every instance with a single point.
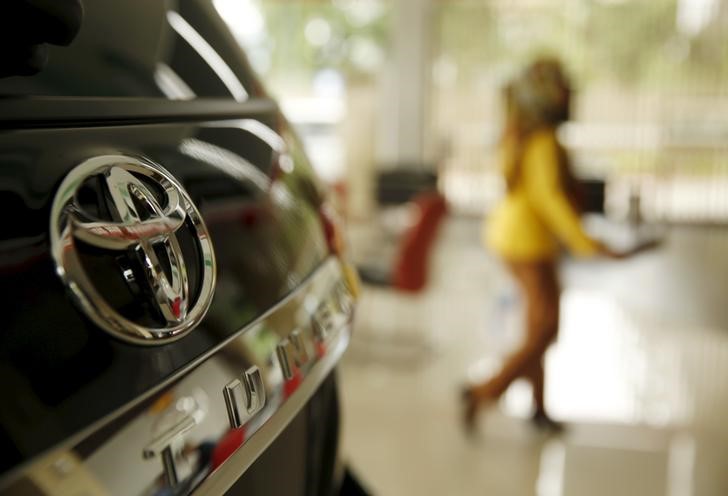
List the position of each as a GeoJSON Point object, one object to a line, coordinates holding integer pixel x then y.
{"type": "Point", "coordinates": [608, 252]}
{"type": "Point", "coordinates": [622, 254]}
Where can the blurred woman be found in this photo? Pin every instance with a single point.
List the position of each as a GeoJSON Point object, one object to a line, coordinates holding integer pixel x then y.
{"type": "Point", "coordinates": [538, 215]}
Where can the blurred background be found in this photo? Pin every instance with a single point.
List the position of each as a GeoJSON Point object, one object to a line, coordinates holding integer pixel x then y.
{"type": "Point", "coordinates": [397, 101]}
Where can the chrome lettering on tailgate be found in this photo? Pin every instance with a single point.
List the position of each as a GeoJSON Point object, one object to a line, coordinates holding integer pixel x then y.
{"type": "Point", "coordinates": [244, 397]}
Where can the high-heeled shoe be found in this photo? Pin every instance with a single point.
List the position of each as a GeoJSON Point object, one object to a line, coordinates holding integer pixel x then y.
{"type": "Point", "coordinates": [543, 422]}
{"type": "Point", "coordinates": [470, 409]}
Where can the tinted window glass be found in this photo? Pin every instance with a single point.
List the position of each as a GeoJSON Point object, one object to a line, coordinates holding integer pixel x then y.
{"type": "Point", "coordinates": [142, 48]}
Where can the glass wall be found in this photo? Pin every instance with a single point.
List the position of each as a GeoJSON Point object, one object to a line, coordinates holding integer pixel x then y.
{"type": "Point", "coordinates": [650, 77]}
{"type": "Point", "coordinates": [651, 96]}
{"type": "Point", "coordinates": [315, 57]}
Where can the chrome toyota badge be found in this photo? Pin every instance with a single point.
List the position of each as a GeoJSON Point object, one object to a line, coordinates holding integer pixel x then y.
{"type": "Point", "coordinates": [132, 248]}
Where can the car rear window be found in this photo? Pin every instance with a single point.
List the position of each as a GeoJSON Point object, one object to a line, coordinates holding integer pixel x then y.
{"type": "Point", "coordinates": [137, 48]}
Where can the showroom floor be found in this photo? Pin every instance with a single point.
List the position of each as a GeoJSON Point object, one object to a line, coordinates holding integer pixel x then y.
{"type": "Point", "coordinates": [637, 375]}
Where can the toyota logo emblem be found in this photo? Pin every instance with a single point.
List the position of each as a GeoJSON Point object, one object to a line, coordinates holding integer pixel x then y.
{"type": "Point", "coordinates": [118, 218]}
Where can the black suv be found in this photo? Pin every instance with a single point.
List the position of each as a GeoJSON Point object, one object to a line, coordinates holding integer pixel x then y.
{"type": "Point", "coordinates": [174, 299]}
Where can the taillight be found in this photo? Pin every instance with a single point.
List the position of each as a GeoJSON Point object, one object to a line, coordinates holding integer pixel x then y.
{"type": "Point", "coordinates": [337, 246]}
{"type": "Point", "coordinates": [331, 223]}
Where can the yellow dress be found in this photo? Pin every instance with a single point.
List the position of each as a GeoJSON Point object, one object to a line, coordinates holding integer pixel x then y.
{"type": "Point", "coordinates": [536, 216]}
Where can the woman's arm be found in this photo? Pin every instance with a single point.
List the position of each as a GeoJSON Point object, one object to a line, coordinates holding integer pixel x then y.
{"type": "Point", "coordinates": [545, 190]}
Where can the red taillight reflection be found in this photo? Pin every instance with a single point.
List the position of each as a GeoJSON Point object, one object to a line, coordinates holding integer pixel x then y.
{"type": "Point", "coordinates": [331, 229]}
{"type": "Point", "coordinates": [229, 443]}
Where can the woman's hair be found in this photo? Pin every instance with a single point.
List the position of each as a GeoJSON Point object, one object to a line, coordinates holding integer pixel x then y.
{"type": "Point", "coordinates": [537, 98]}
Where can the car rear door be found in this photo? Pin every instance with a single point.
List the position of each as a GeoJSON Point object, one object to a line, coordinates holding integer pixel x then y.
{"type": "Point", "coordinates": [104, 391]}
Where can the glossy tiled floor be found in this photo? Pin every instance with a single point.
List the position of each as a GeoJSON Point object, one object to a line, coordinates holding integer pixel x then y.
{"type": "Point", "coordinates": [640, 375]}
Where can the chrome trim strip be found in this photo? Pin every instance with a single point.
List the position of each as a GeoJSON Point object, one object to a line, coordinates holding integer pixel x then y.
{"type": "Point", "coordinates": [323, 285]}
{"type": "Point", "coordinates": [224, 477]}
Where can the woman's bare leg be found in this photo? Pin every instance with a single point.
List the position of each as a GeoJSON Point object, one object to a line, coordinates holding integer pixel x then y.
{"type": "Point", "coordinates": [535, 375]}
{"type": "Point", "coordinates": [541, 291]}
